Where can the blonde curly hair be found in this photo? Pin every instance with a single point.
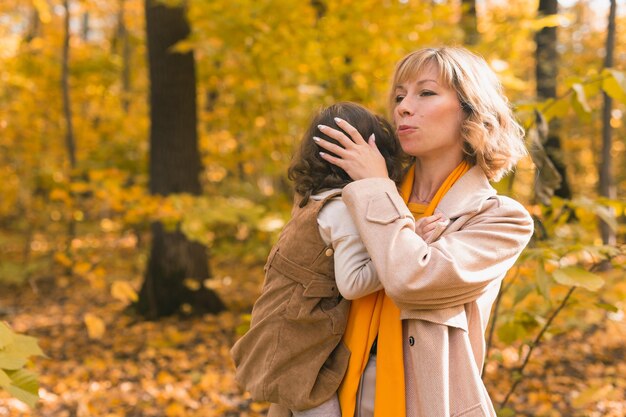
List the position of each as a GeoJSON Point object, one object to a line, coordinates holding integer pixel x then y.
{"type": "Point", "coordinates": [492, 138]}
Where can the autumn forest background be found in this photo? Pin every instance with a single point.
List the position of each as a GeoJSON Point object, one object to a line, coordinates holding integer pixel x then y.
{"type": "Point", "coordinates": [143, 156]}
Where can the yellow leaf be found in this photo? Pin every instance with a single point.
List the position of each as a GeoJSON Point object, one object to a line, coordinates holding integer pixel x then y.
{"type": "Point", "coordinates": [549, 21]}
{"type": "Point", "coordinates": [95, 326]}
{"type": "Point", "coordinates": [79, 187]}
{"type": "Point", "coordinates": [165, 378]}
{"type": "Point", "coordinates": [96, 280]}
{"type": "Point", "coordinates": [81, 268]}
{"type": "Point", "coordinates": [192, 284]}
{"type": "Point", "coordinates": [183, 47]}
{"type": "Point", "coordinates": [175, 410]}
{"type": "Point", "coordinates": [122, 291]}
{"type": "Point", "coordinates": [58, 194]}
{"type": "Point", "coordinates": [44, 10]}
{"type": "Point", "coordinates": [62, 259]}
{"type": "Point", "coordinates": [258, 407]}
{"type": "Point", "coordinates": [592, 395]}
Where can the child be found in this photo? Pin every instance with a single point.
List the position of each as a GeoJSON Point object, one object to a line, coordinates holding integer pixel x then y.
{"type": "Point", "coordinates": [292, 355]}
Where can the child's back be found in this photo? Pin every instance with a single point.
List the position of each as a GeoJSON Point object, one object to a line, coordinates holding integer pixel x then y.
{"type": "Point", "coordinates": [298, 321]}
{"type": "Point", "coordinates": [293, 355]}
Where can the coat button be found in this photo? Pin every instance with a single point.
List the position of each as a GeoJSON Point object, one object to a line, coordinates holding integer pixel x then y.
{"type": "Point", "coordinates": [329, 252]}
{"type": "Point", "coordinates": [411, 341]}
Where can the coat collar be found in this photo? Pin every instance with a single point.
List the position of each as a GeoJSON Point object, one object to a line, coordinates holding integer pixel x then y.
{"type": "Point", "coordinates": [467, 195]}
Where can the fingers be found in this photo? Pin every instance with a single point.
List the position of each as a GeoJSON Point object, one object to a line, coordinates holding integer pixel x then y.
{"type": "Point", "coordinates": [333, 160]}
{"type": "Point", "coordinates": [350, 130]}
{"type": "Point", "coordinates": [357, 161]}
{"type": "Point", "coordinates": [372, 142]}
{"type": "Point", "coordinates": [338, 135]}
{"type": "Point", "coordinates": [331, 147]}
{"type": "Point", "coordinates": [429, 227]}
{"type": "Point", "coordinates": [425, 226]}
{"type": "Point", "coordinates": [346, 141]}
{"type": "Point", "coordinates": [419, 223]}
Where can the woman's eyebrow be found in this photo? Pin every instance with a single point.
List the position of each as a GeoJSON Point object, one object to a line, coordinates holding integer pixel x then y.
{"type": "Point", "coordinates": [426, 81]}
{"type": "Point", "coordinates": [420, 82]}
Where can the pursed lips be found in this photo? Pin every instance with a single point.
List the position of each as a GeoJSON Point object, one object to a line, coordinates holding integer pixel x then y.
{"type": "Point", "coordinates": [404, 129]}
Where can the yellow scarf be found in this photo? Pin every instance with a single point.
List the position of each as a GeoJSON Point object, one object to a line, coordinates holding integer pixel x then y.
{"type": "Point", "coordinates": [376, 315]}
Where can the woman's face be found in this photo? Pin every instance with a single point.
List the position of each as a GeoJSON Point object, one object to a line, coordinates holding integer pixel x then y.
{"type": "Point", "coordinates": [428, 116]}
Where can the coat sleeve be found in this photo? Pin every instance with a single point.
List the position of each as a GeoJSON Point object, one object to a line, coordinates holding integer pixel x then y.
{"type": "Point", "coordinates": [453, 270]}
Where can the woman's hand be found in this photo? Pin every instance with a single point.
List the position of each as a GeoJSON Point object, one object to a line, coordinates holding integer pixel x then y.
{"type": "Point", "coordinates": [360, 159]}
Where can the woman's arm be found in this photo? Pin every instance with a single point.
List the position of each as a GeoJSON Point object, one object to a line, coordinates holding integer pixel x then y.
{"type": "Point", "coordinates": [453, 270]}
{"type": "Point", "coordinates": [354, 271]}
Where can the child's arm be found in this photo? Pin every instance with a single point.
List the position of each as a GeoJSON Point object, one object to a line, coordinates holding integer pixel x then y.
{"type": "Point", "coordinates": [425, 226]}
{"type": "Point", "coordinates": [354, 271]}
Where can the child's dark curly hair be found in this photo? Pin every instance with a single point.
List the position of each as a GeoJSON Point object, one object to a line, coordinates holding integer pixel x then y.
{"type": "Point", "coordinates": [311, 174]}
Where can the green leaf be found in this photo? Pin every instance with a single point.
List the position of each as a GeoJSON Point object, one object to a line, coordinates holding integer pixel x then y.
{"type": "Point", "coordinates": [27, 346]}
{"type": "Point", "coordinates": [5, 381]}
{"type": "Point", "coordinates": [522, 293]}
{"type": "Point", "coordinates": [578, 277]}
{"type": "Point", "coordinates": [556, 108]}
{"type": "Point", "coordinates": [510, 332]}
{"type": "Point", "coordinates": [543, 281]}
{"type": "Point", "coordinates": [11, 359]}
{"type": "Point", "coordinates": [614, 85]}
{"type": "Point", "coordinates": [607, 216]}
{"type": "Point", "coordinates": [506, 412]}
{"type": "Point", "coordinates": [7, 336]}
{"type": "Point", "coordinates": [603, 212]}
{"type": "Point", "coordinates": [24, 386]}
{"type": "Point", "coordinates": [581, 98]}
{"type": "Point", "coordinates": [608, 307]}
{"type": "Point", "coordinates": [593, 88]}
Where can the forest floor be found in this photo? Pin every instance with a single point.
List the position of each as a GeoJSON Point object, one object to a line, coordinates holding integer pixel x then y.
{"type": "Point", "coordinates": [181, 367]}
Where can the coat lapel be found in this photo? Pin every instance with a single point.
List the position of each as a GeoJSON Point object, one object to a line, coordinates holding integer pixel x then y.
{"type": "Point", "coordinates": [467, 195]}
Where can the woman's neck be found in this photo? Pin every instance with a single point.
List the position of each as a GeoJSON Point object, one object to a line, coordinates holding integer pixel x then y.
{"type": "Point", "coordinates": [429, 175]}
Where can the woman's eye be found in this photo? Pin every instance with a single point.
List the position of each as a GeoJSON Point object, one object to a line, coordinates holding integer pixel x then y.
{"type": "Point", "coordinates": [399, 98]}
{"type": "Point", "coordinates": [427, 93]}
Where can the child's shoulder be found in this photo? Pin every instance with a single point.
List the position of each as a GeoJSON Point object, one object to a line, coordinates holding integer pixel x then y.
{"type": "Point", "coordinates": [335, 199]}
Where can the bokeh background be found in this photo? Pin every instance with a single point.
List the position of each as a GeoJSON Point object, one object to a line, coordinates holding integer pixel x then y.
{"type": "Point", "coordinates": [143, 157]}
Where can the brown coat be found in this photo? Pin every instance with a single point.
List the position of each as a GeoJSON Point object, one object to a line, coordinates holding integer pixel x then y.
{"type": "Point", "coordinates": [444, 287]}
{"type": "Point", "coordinates": [293, 355]}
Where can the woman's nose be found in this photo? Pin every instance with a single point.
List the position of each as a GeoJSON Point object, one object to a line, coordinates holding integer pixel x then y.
{"type": "Point", "coordinates": [405, 107]}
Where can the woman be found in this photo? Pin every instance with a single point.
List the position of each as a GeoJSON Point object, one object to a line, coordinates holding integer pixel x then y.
{"type": "Point", "coordinates": [452, 118]}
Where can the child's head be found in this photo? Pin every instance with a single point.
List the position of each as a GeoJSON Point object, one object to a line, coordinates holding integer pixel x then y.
{"type": "Point", "coordinates": [311, 174]}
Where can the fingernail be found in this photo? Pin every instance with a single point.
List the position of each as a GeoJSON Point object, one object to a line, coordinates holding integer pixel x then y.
{"type": "Point", "coordinates": [372, 137]}
{"type": "Point", "coordinates": [322, 154]}
{"type": "Point", "coordinates": [338, 120]}
{"type": "Point", "coordinates": [321, 127]}
{"type": "Point", "coordinates": [316, 139]}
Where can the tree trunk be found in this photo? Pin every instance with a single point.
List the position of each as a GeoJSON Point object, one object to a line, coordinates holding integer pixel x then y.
{"type": "Point", "coordinates": [469, 22]}
{"type": "Point", "coordinates": [34, 26]}
{"type": "Point", "coordinates": [70, 142]}
{"type": "Point", "coordinates": [85, 27]}
{"type": "Point", "coordinates": [320, 8]}
{"type": "Point", "coordinates": [65, 87]}
{"type": "Point", "coordinates": [174, 168]}
{"type": "Point", "coordinates": [607, 188]}
{"type": "Point", "coordinates": [124, 41]}
{"type": "Point", "coordinates": [546, 70]}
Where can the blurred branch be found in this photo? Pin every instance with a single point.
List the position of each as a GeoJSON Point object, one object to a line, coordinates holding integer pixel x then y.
{"type": "Point", "coordinates": [518, 374]}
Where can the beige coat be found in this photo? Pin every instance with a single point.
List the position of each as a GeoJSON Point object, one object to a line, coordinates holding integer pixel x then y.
{"type": "Point", "coordinates": [445, 287]}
